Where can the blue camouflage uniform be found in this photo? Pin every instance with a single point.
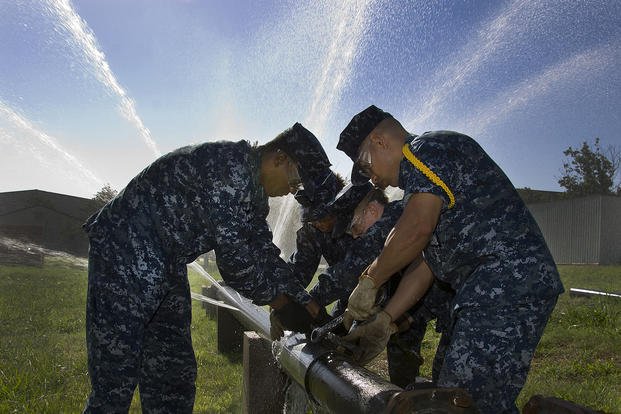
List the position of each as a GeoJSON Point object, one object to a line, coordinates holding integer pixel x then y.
{"type": "Point", "coordinates": [186, 203]}
{"type": "Point", "coordinates": [403, 348]}
{"type": "Point", "coordinates": [312, 243]}
{"type": "Point", "coordinates": [347, 258]}
{"type": "Point", "coordinates": [337, 282]}
{"type": "Point", "coordinates": [489, 249]}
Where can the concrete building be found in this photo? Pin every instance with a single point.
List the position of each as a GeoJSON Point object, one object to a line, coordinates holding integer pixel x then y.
{"type": "Point", "coordinates": [582, 230]}
{"type": "Point", "coordinates": [50, 220]}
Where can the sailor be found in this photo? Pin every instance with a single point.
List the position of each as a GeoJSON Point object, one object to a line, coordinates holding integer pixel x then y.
{"type": "Point", "coordinates": [476, 234]}
{"type": "Point", "coordinates": [212, 196]}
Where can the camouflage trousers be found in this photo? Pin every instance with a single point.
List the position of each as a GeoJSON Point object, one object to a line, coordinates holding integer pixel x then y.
{"type": "Point", "coordinates": [138, 317]}
{"type": "Point", "coordinates": [490, 350]}
{"type": "Point", "coordinates": [403, 352]}
{"type": "Point", "coordinates": [403, 349]}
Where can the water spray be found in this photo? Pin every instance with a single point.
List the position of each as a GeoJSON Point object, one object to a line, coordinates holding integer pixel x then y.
{"type": "Point", "coordinates": [84, 39]}
{"type": "Point", "coordinates": [30, 248]}
{"type": "Point", "coordinates": [219, 303]}
{"type": "Point", "coordinates": [247, 313]}
{"type": "Point", "coordinates": [335, 70]}
{"type": "Point", "coordinates": [25, 129]}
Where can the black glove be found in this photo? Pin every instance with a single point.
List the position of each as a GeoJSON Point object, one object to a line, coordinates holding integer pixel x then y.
{"type": "Point", "coordinates": [276, 329]}
{"type": "Point", "coordinates": [295, 317]}
{"type": "Point", "coordinates": [322, 318]}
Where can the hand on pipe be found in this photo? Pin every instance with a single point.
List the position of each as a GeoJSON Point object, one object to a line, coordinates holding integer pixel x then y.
{"type": "Point", "coordinates": [371, 337]}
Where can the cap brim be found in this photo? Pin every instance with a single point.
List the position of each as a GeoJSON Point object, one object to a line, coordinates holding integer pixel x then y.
{"type": "Point", "coordinates": [315, 214]}
{"type": "Point", "coordinates": [357, 177]}
{"type": "Point", "coordinates": [342, 224]}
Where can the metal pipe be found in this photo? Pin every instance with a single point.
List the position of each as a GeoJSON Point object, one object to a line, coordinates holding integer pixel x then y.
{"type": "Point", "coordinates": [333, 382]}
{"type": "Point", "coordinates": [589, 293]}
{"type": "Point", "coordinates": [253, 317]}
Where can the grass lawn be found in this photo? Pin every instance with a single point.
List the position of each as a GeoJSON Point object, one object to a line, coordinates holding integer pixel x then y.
{"type": "Point", "coordinates": [579, 356]}
{"type": "Point", "coordinates": [43, 355]}
{"type": "Point", "coordinates": [43, 351]}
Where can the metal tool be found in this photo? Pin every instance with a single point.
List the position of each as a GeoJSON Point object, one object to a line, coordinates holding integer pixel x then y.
{"type": "Point", "coordinates": [320, 333]}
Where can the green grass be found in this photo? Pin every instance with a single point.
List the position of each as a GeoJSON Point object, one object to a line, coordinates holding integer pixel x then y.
{"type": "Point", "coordinates": [43, 351]}
{"type": "Point", "coordinates": [43, 355]}
{"type": "Point", "coordinates": [579, 356]}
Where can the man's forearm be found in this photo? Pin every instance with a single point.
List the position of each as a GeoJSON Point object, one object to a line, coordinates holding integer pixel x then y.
{"type": "Point", "coordinates": [397, 253]}
{"type": "Point", "coordinates": [408, 238]}
{"type": "Point", "coordinates": [413, 285]}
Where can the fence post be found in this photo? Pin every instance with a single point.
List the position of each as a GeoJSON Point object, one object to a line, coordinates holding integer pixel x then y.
{"type": "Point", "coordinates": [210, 292]}
{"type": "Point", "coordinates": [230, 332]}
{"type": "Point", "coordinates": [264, 382]}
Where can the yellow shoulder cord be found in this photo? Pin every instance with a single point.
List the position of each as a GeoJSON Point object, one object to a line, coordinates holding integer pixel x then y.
{"type": "Point", "coordinates": [428, 173]}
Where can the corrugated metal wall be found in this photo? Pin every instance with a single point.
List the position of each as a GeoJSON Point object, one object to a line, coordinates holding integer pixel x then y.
{"type": "Point", "coordinates": [584, 230]}
{"type": "Point", "coordinates": [611, 231]}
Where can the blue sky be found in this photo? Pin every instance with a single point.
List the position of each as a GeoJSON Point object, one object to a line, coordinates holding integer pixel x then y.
{"type": "Point", "coordinates": [91, 91]}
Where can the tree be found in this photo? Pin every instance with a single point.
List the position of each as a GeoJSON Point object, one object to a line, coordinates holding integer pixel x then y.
{"type": "Point", "coordinates": [104, 195]}
{"type": "Point", "coordinates": [590, 171]}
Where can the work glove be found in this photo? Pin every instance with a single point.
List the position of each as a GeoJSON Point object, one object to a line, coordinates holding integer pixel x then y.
{"type": "Point", "coordinates": [361, 303]}
{"type": "Point", "coordinates": [371, 337]}
{"type": "Point", "coordinates": [295, 317]}
{"type": "Point", "coordinates": [276, 329]}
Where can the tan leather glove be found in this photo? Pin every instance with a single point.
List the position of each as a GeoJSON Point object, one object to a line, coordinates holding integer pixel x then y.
{"type": "Point", "coordinates": [362, 299]}
{"type": "Point", "coordinates": [349, 318]}
{"type": "Point", "coordinates": [371, 337]}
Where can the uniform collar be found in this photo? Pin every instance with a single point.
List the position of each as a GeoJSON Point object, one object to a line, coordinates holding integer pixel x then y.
{"type": "Point", "coordinates": [254, 162]}
{"type": "Point", "coordinates": [403, 166]}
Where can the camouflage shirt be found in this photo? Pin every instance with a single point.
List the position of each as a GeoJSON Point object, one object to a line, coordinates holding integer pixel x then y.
{"type": "Point", "coordinates": [201, 198]}
{"type": "Point", "coordinates": [338, 280]}
{"type": "Point", "coordinates": [483, 221]}
{"type": "Point", "coordinates": [311, 244]}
